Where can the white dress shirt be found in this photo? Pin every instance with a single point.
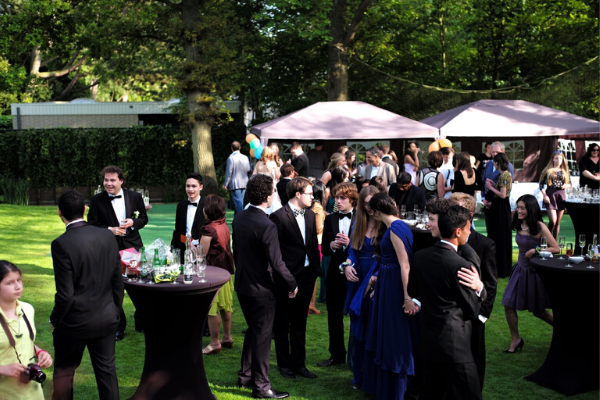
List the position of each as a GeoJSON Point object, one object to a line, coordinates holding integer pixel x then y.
{"type": "Point", "coordinates": [118, 206]}
{"type": "Point", "coordinates": [302, 225]}
{"type": "Point", "coordinates": [191, 215]}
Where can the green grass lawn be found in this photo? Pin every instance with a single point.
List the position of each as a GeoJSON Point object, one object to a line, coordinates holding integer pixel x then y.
{"type": "Point", "coordinates": [25, 237]}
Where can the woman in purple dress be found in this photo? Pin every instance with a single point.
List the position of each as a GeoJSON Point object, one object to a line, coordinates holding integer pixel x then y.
{"type": "Point", "coordinates": [391, 337]}
{"type": "Point", "coordinates": [525, 290]}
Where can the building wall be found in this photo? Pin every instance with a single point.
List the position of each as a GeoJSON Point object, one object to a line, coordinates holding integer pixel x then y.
{"type": "Point", "coordinates": [76, 121]}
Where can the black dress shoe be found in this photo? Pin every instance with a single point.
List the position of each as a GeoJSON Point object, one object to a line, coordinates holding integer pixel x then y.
{"type": "Point", "coordinates": [243, 385]}
{"type": "Point", "coordinates": [287, 373]}
{"type": "Point", "coordinates": [119, 336]}
{"type": "Point", "coordinates": [329, 362]}
{"type": "Point", "coordinates": [269, 394]}
{"type": "Point", "coordinates": [304, 372]}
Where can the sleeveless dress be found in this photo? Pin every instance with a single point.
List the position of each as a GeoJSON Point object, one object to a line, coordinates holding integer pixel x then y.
{"type": "Point", "coordinates": [555, 192]}
{"type": "Point", "coordinates": [525, 290]}
{"type": "Point", "coordinates": [412, 170]}
{"type": "Point", "coordinates": [392, 336]}
{"type": "Point", "coordinates": [269, 170]}
{"type": "Point", "coordinates": [365, 263]}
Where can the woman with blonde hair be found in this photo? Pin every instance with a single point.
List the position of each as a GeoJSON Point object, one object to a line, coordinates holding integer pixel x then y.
{"type": "Point", "coordinates": [555, 177]}
{"type": "Point", "coordinates": [268, 166]}
{"type": "Point", "coordinates": [336, 160]}
{"type": "Point", "coordinates": [276, 157]}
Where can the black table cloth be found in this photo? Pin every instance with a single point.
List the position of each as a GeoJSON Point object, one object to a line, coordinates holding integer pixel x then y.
{"type": "Point", "coordinates": [586, 219]}
{"type": "Point", "coordinates": [174, 318]}
{"type": "Point", "coordinates": [422, 239]}
{"type": "Point", "coordinates": [571, 365]}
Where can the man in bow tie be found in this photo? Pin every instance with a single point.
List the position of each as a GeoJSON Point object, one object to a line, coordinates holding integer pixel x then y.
{"type": "Point", "coordinates": [122, 212]}
{"type": "Point", "coordinates": [189, 216]}
{"type": "Point", "coordinates": [336, 239]}
{"type": "Point", "coordinates": [297, 231]}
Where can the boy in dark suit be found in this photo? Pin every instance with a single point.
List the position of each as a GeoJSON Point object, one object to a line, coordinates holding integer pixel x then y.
{"type": "Point", "coordinates": [287, 173]}
{"type": "Point", "coordinates": [189, 216]}
{"type": "Point", "coordinates": [258, 262]}
{"type": "Point", "coordinates": [296, 225]}
{"type": "Point", "coordinates": [123, 212]}
{"type": "Point", "coordinates": [450, 291]}
{"type": "Point", "coordinates": [89, 295]}
{"type": "Point", "coordinates": [335, 244]}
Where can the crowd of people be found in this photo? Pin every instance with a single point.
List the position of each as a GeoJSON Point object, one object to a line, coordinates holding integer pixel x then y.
{"type": "Point", "coordinates": [414, 331]}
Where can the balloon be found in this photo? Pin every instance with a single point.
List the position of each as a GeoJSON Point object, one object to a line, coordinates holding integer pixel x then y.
{"type": "Point", "coordinates": [434, 147]}
{"type": "Point", "coordinates": [259, 152]}
{"type": "Point", "coordinates": [251, 152]}
{"type": "Point", "coordinates": [444, 143]}
{"type": "Point", "coordinates": [250, 137]}
{"type": "Point", "coordinates": [255, 144]}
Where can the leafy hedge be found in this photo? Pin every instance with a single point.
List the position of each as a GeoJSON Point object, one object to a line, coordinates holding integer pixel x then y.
{"type": "Point", "coordinates": [152, 155]}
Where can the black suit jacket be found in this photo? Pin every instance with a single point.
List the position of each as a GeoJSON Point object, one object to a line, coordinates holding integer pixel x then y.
{"type": "Point", "coordinates": [281, 186]}
{"type": "Point", "coordinates": [486, 251]}
{"type": "Point", "coordinates": [257, 255]}
{"type": "Point", "coordinates": [89, 284]}
{"type": "Point", "coordinates": [181, 223]}
{"type": "Point", "coordinates": [448, 306]}
{"type": "Point", "coordinates": [415, 196]}
{"type": "Point", "coordinates": [293, 248]}
{"type": "Point", "coordinates": [102, 215]}
{"type": "Point", "coordinates": [330, 229]}
{"type": "Point", "coordinates": [300, 164]}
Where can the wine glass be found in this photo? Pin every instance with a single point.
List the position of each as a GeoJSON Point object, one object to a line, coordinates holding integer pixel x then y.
{"type": "Point", "coordinates": [543, 246]}
{"type": "Point", "coordinates": [403, 211]}
{"type": "Point", "coordinates": [582, 240]}
{"type": "Point", "coordinates": [132, 272]}
{"type": "Point", "coordinates": [561, 246]}
{"type": "Point", "coordinates": [417, 210]}
{"type": "Point", "coordinates": [569, 254]}
{"type": "Point", "coordinates": [150, 269]}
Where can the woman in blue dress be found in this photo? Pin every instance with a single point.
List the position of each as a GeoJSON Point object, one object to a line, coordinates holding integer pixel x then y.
{"type": "Point", "coordinates": [391, 337]}
{"type": "Point", "coordinates": [525, 290]}
{"type": "Point", "coordinates": [362, 263]}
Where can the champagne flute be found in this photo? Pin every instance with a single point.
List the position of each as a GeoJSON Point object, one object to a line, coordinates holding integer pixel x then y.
{"type": "Point", "coordinates": [582, 240]}
{"type": "Point", "coordinates": [590, 249]}
{"type": "Point", "coordinates": [543, 246]}
{"type": "Point", "coordinates": [403, 211]}
{"type": "Point", "coordinates": [561, 246]}
{"type": "Point", "coordinates": [569, 254]}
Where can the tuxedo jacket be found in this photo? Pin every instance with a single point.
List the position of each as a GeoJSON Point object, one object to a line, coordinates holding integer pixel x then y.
{"type": "Point", "coordinates": [301, 164]}
{"type": "Point", "coordinates": [486, 251]}
{"type": "Point", "coordinates": [448, 306]}
{"type": "Point", "coordinates": [89, 284]}
{"type": "Point", "coordinates": [386, 171]}
{"type": "Point", "coordinates": [281, 186]}
{"type": "Point", "coordinates": [257, 255]}
{"type": "Point", "coordinates": [414, 197]}
{"type": "Point", "coordinates": [293, 247]}
{"type": "Point", "coordinates": [181, 223]}
{"type": "Point", "coordinates": [102, 215]}
{"type": "Point", "coordinates": [330, 229]}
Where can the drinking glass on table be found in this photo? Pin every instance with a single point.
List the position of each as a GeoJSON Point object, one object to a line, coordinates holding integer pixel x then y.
{"type": "Point", "coordinates": [150, 269]}
{"type": "Point", "coordinates": [582, 240]}
{"type": "Point", "coordinates": [403, 211]}
{"type": "Point", "coordinates": [569, 254]}
{"type": "Point", "coordinates": [201, 269]}
{"type": "Point", "coordinates": [561, 246]}
{"type": "Point", "coordinates": [175, 268]}
{"type": "Point", "coordinates": [132, 272]}
{"type": "Point", "coordinates": [543, 246]}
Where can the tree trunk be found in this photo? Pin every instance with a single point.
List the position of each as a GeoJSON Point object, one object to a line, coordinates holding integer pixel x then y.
{"type": "Point", "coordinates": [198, 98]}
{"type": "Point", "coordinates": [337, 78]}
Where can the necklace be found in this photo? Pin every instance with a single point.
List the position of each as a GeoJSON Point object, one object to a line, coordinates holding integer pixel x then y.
{"type": "Point", "coordinates": [524, 229]}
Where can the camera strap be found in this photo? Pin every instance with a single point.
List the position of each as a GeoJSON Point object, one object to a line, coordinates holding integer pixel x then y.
{"type": "Point", "coordinates": [11, 340]}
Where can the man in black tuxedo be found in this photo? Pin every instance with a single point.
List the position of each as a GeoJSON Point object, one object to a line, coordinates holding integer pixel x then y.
{"type": "Point", "coordinates": [89, 295]}
{"type": "Point", "coordinates": [300, 161]}
{"type": "Point", "coordinates": [335, 244]}
{"type": "Point", "coordinates": [123, 212]}
{"type": "Point", "coordinates": [189, 216]}
{"type": "Point", "coordinates": [259, 266]}
{"type": "Point", "coordinates": [486, 250]}
{"type": "Point", "coordinates": [450, 291]}
{"type": "Point", "coordinates": [287, 173]}
{"type": "Point", "coordinates": [406, 194]}
{"type": "Point", "coordinates": [297, 229]}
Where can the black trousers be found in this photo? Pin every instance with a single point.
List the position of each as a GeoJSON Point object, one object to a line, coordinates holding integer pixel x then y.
{"type": "Point", "coordinates": [290, 323]}
{"type": "Point", "coordinates": [259, 313]}
{"type": "Point", "coordinates": [336, 297]}
{"type": "Point", "coordinates": [450, 381]}
{"type": "Point", "coordinates": [478, 349]}
{"type": "Point", "coordinates": [68, 352]}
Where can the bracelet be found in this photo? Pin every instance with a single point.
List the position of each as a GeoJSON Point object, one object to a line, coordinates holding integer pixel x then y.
{"type": "Point", "coordinates": [39, 352]}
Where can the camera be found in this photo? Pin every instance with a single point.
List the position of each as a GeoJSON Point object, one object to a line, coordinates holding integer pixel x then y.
{"type": "Point", "coordinates": [33, 373]}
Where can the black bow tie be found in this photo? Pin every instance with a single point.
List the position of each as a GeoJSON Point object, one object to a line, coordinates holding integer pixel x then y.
{"type": "Point", "coordinates": [299, 212]}
{"type": "Point", "coordinates": [192, 204]}
{"type": "Point", "coordinates": [348, 215]}
{"type": "Point", "coordinates": [115, 197]}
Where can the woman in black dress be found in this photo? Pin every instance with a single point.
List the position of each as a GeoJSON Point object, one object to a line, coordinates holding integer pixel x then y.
{"type": "Point", "coordinates": [464, 175]}
{"type": "Point", "coordinates": [589, 167]}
